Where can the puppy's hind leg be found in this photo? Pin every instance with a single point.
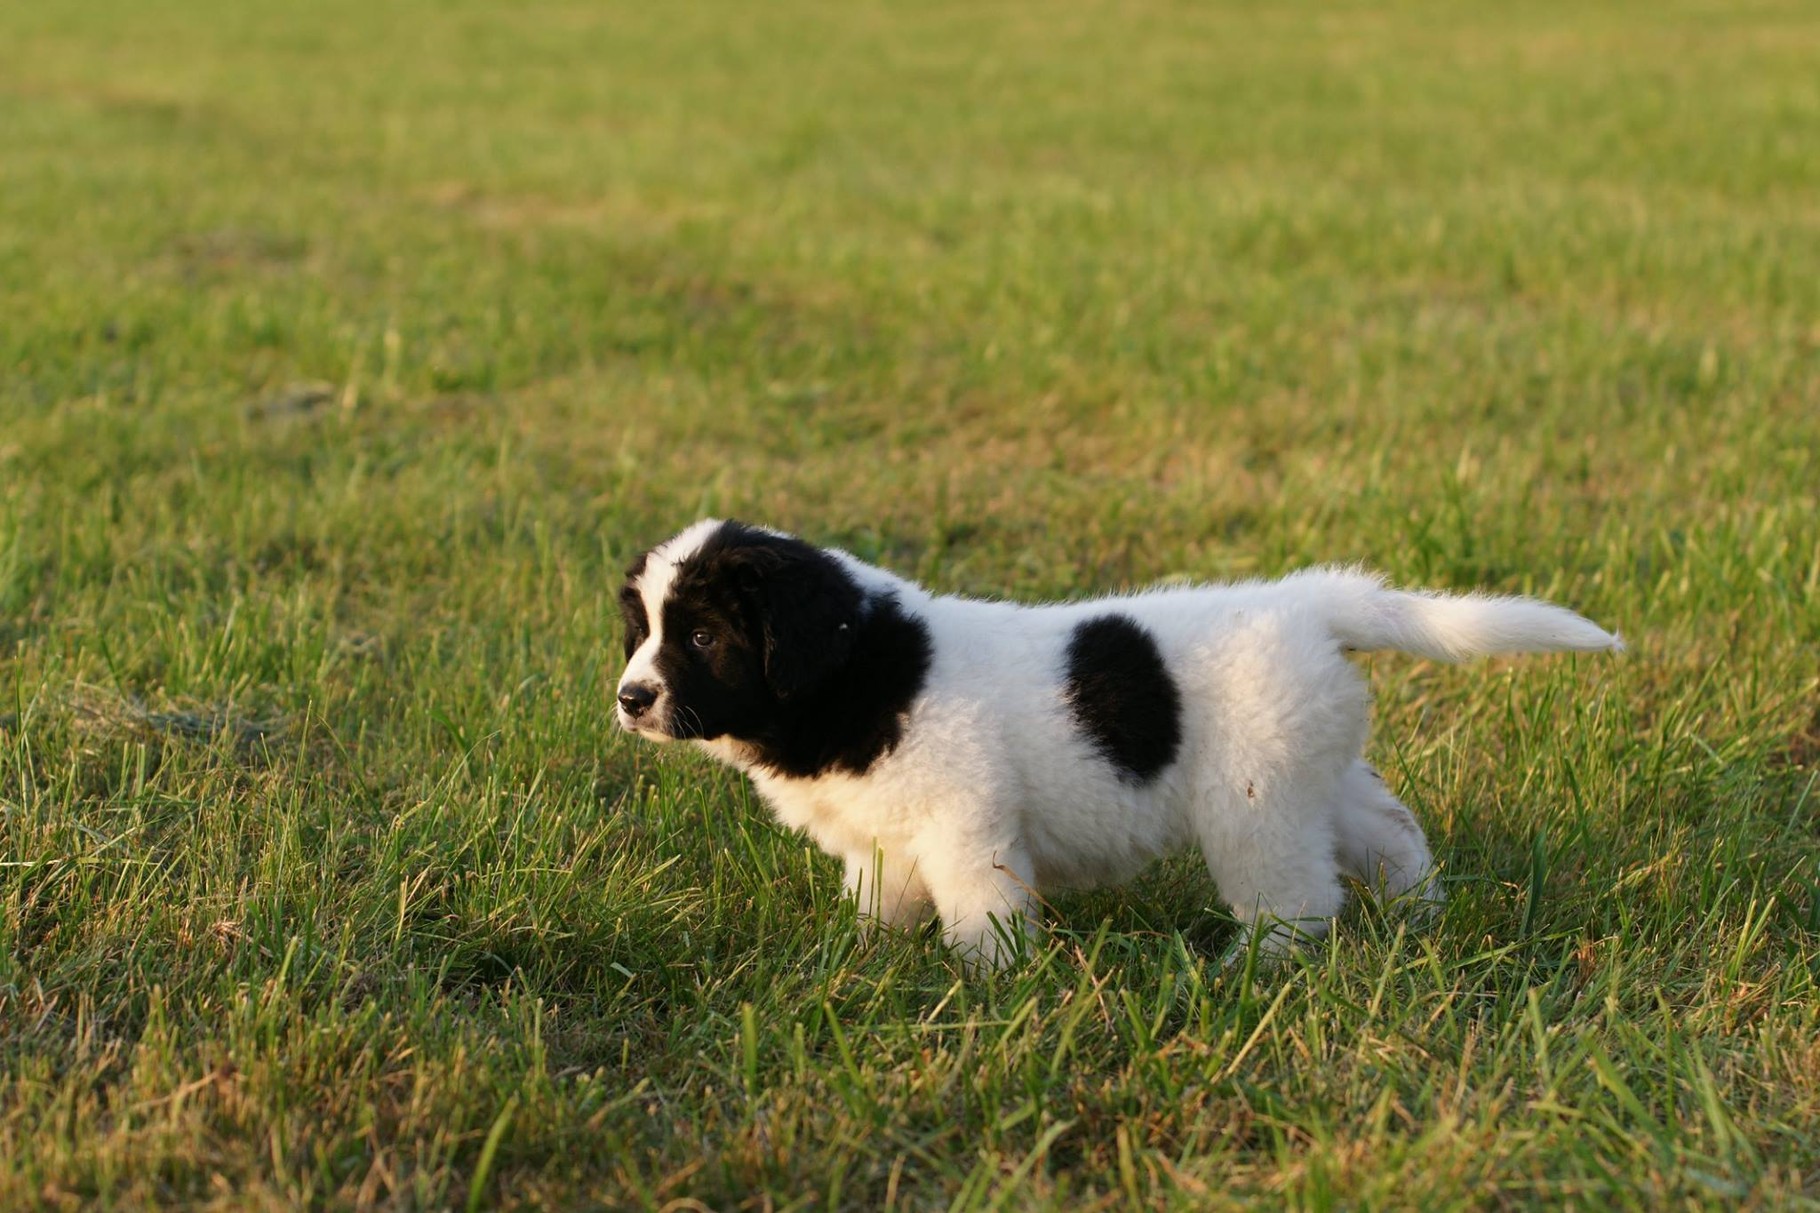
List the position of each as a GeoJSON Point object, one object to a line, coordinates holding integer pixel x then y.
{"type": "Point", "coordinates": [1380, 842]}
{"type": "Point", "coordinates": [1273, 861]}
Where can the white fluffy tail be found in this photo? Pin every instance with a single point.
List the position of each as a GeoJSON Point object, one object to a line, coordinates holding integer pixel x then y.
{"type": "Point", "coordinates": [1367, 616]}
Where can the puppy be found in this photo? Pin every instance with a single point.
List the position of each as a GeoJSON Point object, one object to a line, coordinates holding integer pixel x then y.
{"type": "Point", "coordinates": [962, 756]}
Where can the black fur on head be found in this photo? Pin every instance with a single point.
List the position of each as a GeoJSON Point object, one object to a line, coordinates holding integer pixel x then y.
{"type": "Point", "coordinates": [801, 606]}
{"type": "Point", "coordinates": [771, 641]}
{"type": "Point", "coordinates": [632, 607]}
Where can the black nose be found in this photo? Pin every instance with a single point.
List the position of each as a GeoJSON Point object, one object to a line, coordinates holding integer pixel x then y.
{"type": "Point", "coordinates": [636, 698]}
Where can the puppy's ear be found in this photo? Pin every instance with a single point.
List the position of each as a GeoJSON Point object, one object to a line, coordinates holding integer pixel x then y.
{"type": "Point", "coordinates": [806, 608]}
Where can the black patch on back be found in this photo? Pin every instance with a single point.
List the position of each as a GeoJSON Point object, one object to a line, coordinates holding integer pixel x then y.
{"type": "Point", "coordinates": [1121, 696]}
{"type": "Point", "coordinates": [806, 667]}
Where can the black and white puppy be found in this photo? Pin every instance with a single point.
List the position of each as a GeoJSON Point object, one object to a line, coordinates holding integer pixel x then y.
{"type": "Point", "coordinates": [961, 756]}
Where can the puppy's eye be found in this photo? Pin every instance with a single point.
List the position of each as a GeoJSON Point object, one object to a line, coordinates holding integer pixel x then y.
{"type": "Point", "coordinates": [701, 638]}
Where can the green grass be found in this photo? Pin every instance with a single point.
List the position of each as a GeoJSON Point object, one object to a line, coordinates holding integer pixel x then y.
{"type": "Point", "coordinates": [326, 881]}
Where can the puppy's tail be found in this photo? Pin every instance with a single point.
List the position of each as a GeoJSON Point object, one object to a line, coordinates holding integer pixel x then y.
{"type": "Point", "coordinates": [1368, 616]}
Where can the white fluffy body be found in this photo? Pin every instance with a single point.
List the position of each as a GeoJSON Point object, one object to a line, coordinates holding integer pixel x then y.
{"type": "Point", "coordinates": [993, 796]}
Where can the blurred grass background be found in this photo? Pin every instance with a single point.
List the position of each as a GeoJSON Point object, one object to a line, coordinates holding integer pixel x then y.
{"type": "Point", "coordinates": [347, 353]}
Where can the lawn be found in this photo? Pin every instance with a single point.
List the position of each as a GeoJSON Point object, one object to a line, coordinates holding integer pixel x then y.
{"type": "Point", "coordinates": [348, 352]}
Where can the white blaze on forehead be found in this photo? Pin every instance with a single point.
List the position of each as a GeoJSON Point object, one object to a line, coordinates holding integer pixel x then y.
{"type": "Point", "coordinates": [654, 586]}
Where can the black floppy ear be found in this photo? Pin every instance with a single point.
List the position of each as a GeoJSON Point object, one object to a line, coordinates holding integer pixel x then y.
{"type": "Point", "coordinates": [806, 608]}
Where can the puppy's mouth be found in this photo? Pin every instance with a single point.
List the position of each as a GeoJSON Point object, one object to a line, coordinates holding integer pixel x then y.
{"type": "Point", "coordinates": [644, 726]}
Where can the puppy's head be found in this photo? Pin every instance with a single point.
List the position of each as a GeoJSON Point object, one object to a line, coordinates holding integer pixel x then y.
{"type": "Point", "coordinates": [727, 626]}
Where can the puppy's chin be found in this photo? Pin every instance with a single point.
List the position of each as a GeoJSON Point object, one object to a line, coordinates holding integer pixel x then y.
{"type": "Point", "coordinates": [645, 729]}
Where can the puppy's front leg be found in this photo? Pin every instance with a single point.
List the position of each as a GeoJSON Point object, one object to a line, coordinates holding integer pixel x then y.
{"type": "Point", "coordinates": [985, 895]}
{"type": "Point", "coordinates": [887, 888]}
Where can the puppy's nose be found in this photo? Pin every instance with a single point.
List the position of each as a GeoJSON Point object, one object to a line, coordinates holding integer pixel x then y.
{"type": "Point", "coordinates": [636, 698]}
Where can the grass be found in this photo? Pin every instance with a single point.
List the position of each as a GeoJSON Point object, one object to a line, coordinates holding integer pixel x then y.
{"type": "Point", "coordinates": [350, 350]}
